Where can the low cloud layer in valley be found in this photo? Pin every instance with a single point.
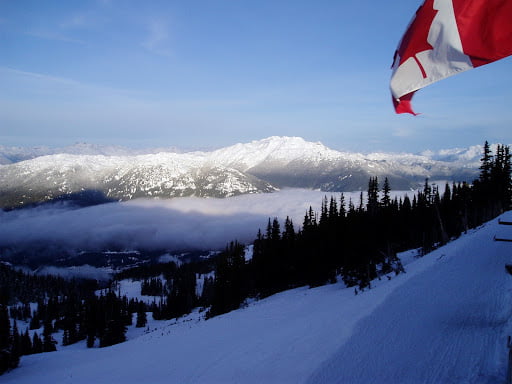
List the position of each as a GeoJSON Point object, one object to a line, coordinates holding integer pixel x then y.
{"type": "Point", "coordinates": [174, 224]}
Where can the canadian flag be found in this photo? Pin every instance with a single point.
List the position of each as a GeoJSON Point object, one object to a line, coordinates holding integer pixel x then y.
{"type": "Point", "coordinates": [446, 37]}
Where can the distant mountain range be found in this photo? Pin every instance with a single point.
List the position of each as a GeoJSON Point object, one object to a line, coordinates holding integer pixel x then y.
{"type": "Point", "coordinates": [117, 173]}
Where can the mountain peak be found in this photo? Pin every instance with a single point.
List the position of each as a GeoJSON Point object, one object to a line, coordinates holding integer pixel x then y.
{"type": "Point", "coordinates": [274, 149]}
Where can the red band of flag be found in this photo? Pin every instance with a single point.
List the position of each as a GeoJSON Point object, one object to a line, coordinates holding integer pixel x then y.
{"type": "Point", "coordinates": [446, 37]}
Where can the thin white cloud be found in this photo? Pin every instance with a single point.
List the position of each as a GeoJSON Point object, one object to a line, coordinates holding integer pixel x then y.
{"type": "Point", "coordinates": [30, 81]}
{"type": "Point", "coordinates": [80, 20]}
{"type": "Point", "coordinates": [45, 35]}
{"type": "Point", "coordinates": [403, 131]}
{"type": "Point", "coordinates": [64, 30]}
{"type": "Point", "coordinates": [157, 40]}
{"type": "Point", "coordinates": [34, 75]}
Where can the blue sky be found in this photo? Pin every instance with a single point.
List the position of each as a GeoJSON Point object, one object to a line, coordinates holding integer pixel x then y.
{"type": "Point", "coordinates": [201, 74]}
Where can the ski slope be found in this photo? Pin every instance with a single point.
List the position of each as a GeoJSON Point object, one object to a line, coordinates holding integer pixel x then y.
{"type": "Point", "coordinates": [444, 321]}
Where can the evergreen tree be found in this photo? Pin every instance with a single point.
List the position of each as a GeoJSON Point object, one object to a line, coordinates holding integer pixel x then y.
{"type": "Point", "coordinates": [361, 203]}
{"type": "Point", "coordinates": [342, 210]}
{"type": "Point", "coordinates": [37, 344]}
{"type": "Point", "coordinates": [114, 332]}
{"type": "Point", "coordinates": [427, 194]}
{"type": "Point", "coordinates": [324, 211]}
{"type": "Point", "coordinates": [5, 339]}
{"type": "Point", "coordinates": [351, 207]}
{"type": "Point", "coordinates": [275, 234]}
{"type": "Point", "coordinates": [486, 164]}
{"type": "Point", "coordinates": [309, 219]}
{"type": "Point", "coordinates": [48, 341]}
{"type": "Point", "coordinates": [386, 194]}
{"type": "Point", "coordinates": [182, 298]}
{"type": "Point", "coordinates": [26, 343]}
{"type": "Point", "coordinates": [229, 284]}
{"type": "Point", "coordinates": [34, 321]}
{"type": "Point", "coordinates": [90, 340]}
{"type": "Point", "coordinates": [333, 209]}
{"type": "Point", "coordinates": [5, 328]}
{"type": "Point", "coordinates": [141, 316]}
{"type": "Point", "coordinates": [65, 338]}
{"type": "Point", "coordinates": [372, 204]}
{"type": "Point", "coordinates": [289, 232]}
{"type": "Point", "coordinates": [208, 292]}
{"type": "Point", "coordinates": [15, 346]}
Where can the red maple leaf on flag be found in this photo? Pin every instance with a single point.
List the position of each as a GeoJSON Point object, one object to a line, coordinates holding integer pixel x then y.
{"type": "Point", "coordinates": [415, 38]}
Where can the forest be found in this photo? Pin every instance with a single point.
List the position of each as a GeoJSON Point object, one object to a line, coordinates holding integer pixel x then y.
{"type": "Point", "coordinates": [355, 242]}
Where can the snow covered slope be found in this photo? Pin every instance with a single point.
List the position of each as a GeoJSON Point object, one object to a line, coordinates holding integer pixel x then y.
{"type": "Point", "coordinates": [444, 321]}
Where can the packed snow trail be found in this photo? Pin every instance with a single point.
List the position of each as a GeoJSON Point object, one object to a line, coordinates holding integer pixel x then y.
{"type": "Point", "coordinates": [444, 321]}
{"type": "Point", "coordinates": [446, 325]}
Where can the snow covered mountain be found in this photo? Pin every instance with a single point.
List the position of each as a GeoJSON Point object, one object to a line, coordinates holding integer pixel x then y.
{"type": "Point", "coordinates": [293, 162]}
{"type": "Point", "coordinates": [258, 166]}
{"type": "Point", "coordinates": [121, 178]}
{"type": "Point", "coordinates": [9, 155]}
{"type": "Point", "coordinates": [444, 321]}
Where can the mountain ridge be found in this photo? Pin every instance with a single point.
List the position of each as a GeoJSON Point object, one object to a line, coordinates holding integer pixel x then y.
{"type": "Point", "coordinates": [13, 154]}
{"type": "Point", "coordinates": [258, 166]}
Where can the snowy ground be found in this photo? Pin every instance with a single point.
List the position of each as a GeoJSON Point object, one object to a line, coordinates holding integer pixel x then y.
{"type": "Point", "coordinates": [444, 321]}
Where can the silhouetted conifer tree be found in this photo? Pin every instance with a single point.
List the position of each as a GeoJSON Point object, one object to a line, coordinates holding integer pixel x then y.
{"type": "Point", "coordinates": [48, 341]}
{"type": "Point", "coordinates": [5, 339]}
{"type": "Point", "coordinates": [141, 316]}
{"type": "Point", "coordinates": [37, 344]}
{"type": "Point", "coordinates": [26, 343]}
{"type": "Point", "coordinates": [230, 287]}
